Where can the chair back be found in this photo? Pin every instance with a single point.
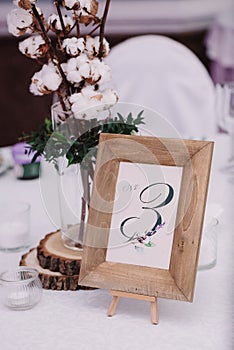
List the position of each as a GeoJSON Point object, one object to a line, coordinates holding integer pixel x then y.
{"type": "Point", "coordinates": [160, 73]}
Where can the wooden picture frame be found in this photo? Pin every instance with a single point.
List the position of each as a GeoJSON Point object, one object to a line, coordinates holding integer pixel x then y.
{"type": "Point", "coordinates": [176, 282]}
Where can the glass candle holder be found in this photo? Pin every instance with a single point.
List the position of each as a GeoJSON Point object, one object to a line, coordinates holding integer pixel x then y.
{"type": "Point", "coordinates": [21, 288]}
{"type": "Point", "coordinates": [208, 251]}
{"type": "Point", "coordinates": [14, 225]}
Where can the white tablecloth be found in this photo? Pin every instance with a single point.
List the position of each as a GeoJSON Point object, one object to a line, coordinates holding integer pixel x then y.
{"type": "Point", "coordinates": [77, 320]}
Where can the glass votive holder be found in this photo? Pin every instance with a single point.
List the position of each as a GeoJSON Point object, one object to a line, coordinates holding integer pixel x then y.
{"type": "Point", "coordinates": [21, 288]}
{"type": "Point", "coordinates": [14, 226]}
{"type": "Point", "coordinates": [208, 250]}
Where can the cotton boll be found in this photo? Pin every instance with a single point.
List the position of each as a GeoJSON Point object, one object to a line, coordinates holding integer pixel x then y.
{"type": "Point", "coordinates": [84, 69]}
{"type": "Point", "coordinates": [83, 7]}
{"type": "Point", "coordinates": [34, 89]}
{"type": "Point", "coordinates": [46, 80]}
{"type": "Point", "coordinates": [25, 4]}
{"type": "Point", "coordinates": [20, 18]}
{"type": "Point", "coordinates": [110, 98]}
{"type": "Point", "coordinates": [33, 47]}
{"type": "Point", "coordinates": [73, 46]}
{"type": "Point", "coordinates": [86, 4]}
{"type": "Point", "coordinates": [74, 76]}
{"type": "Point", "coordinates": [88, 91]}
{"type": "Point", "coordinates": [99, 71]}
{"type": "Point", "coordinates": [89, 103]}
{"type": "Point", "coordinates": [76, 69]}
{"type": "Point", "coordinates": [92, 46]}
{"type": "Point", "coordinates": [69, 66]}
{"type": "Point", "coordinates": [83, 103]}
{"type": "Point", "coordinates": [71, 4]}
{"type": "Point", "coordinates": [19, 22]}
{"type": "Point", "coordinates": [79, 102]}
{"type": "Point", "coordinates": [87, 12]}
{"type": "Point", "coordinates": [55, 24]}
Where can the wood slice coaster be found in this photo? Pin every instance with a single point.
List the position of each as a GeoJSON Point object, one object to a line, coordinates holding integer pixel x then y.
{"type": "Point", "coordinates": [52, 255]}
{"type": "Point", "coordinates": [50, 279]}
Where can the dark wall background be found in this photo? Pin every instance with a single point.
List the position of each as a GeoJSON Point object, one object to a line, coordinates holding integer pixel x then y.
{"type": "Point", "coordinates": [20, 110]}
{"type": "Point", "coordinates": [23, 112]}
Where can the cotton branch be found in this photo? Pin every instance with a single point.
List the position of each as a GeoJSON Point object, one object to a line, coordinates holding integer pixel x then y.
{"type": "Point", "coordinates": [94, 29]}
{"type": "Point", "coordinates": [102, 27]}
{"type": "Point", "coordinates": [52, 53]}
{"type": "Point", "coordinates": [61, 18]}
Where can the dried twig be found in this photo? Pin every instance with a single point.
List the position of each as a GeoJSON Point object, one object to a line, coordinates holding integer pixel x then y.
{"type": "Point", "coordinates": [94, 29]}
{"type": "Point", "coordinates": [102, 27]}
{"type": "Point", "coordinates": [52, 53]}
{"type": "Point", "coordinates": [61, 19]}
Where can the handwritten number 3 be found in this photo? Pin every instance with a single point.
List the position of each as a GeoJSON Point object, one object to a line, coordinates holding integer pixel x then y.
{"type": "Point", "coordinates": [158, 221]}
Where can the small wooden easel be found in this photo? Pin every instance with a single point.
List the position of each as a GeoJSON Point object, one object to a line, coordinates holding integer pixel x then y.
{"type": "Point", "coordinates": [117, 294]}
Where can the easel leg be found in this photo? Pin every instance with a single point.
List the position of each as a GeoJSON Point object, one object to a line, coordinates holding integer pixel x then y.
{"type": "Point", "coordinates": [154, 311]}
{"type": "Point", "coordinates": [117, 294]}
{"type": "Point", "coordinates": [113, 306]}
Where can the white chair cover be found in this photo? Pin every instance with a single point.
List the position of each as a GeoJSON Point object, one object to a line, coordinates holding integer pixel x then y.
{"type": "Point", "coordinates": [160, 73]}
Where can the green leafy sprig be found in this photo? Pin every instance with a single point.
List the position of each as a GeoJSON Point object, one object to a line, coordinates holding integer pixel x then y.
{"type": "Point", "coordinates": [54, 144]}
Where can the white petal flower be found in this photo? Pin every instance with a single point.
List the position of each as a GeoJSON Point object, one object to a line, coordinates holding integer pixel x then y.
{"type": "Point", "coordinates": [92, 46]}
{"type": "Point", "coordinates": [33, 47]}
{"type": "Point", "coordinates": [55, 24]}
{"type": "Point", "coordinates": [46, 80]}
{"type": "Point", "coordinates": [19, 22]}
{"type": "Point", "coordinates": [73, 46]}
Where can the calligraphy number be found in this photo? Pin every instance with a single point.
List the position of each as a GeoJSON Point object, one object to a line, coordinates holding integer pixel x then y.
{"type": "Point", "coordinates": [158, 220]}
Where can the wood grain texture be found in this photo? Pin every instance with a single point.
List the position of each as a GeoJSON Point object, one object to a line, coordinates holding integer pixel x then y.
{"type": "Point", "coordinates": [52, 255]}
{"type": "Point", "coordinates": [132, 279]}
{"type": "Point", "coordinates": [118, 294]}
{"type": "Point", "coordinates": [187, 237]}
{"type": "Point", "coordinates": [49, 279]}
{"type": "Point", "coordinates": [177, 282]}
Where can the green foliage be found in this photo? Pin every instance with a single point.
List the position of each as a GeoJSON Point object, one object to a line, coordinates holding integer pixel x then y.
{"type": "Point", "coordinates": [82, 148]}
{"type": "Point", "coordinates": [39, 138]}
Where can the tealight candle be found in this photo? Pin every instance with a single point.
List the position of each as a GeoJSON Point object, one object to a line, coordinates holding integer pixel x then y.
{"type": "Point", "coordinates": [14, 234]}
{"type": "Point", "coordinates": [21, 288]}
{"type": "Point", "coordinates": [18, 299]}
{"type": "Point", "coordinates": [14, 225]}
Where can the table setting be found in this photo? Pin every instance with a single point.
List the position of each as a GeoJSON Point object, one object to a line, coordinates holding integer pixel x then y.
{"type": "Point", "coordinates": [79, 317]}
{"type": "Point", "coordinates": [69, 190]}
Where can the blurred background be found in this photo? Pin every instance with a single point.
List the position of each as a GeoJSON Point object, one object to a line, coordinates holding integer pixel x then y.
{"type": "Point", "coordinates": [204, 26]}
